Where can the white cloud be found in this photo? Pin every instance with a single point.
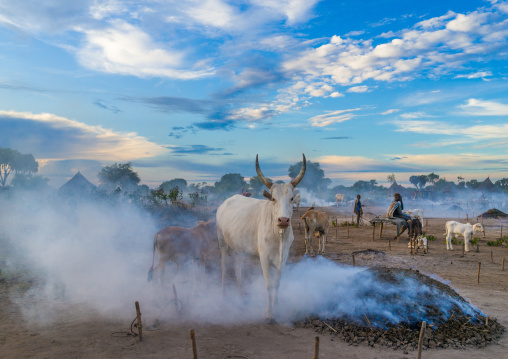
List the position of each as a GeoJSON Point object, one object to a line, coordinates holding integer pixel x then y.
{"type": "Point", "coordinates": [358, 89]}
{"type": "Point", "coordinates": [125, 49]}
{"type": "Point", "coordinates": [336, 94]}
{"type": "Point", "coordinates": [388, 112]}
{"type": "Point", "coordinates": [412, 115]}
{"type": "Point", "coordinates": [49, 136]}
{"type": "Point", "coordinates": [475, 107]}
{"type": "Point", "coordinates": [475, 75]}
{"type": "Point", "coordinates": [331, 117]}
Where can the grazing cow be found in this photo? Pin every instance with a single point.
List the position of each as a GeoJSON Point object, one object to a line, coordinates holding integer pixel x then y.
{"type": "Point", "coordinates": [316, 223]}
{"type": "Point", "coordinates": [180, 244]}
{"type": "Point", "coordinates": [415, 234]}
{"type": "Point", "coordinates": [297, 200]}
{"type": "Point", "coordinates": [415, 213]}
{"type": "Point", "coordinates": [249, 226]}
{"type": "Point", "coordinates": [464, 229]}
{"type": "Point", "coordinates": [339, 197]}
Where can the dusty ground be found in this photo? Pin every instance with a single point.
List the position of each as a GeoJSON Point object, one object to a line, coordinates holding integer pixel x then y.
{"type": "Point", "coordinates": [79, 332]}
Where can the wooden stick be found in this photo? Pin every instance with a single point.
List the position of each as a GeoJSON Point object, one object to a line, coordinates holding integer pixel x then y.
{"type": "Point", "coordinates": [464, 248]}
{"type": "Point", "coordinates": [176, 297]}
{"type": "Point", "coordinates": [373, 231]}
{"type": "Point", "coordinates": [426, 222]}
{"type": "Point", "coordinates": [336, 234]}
{"type": "Point", "coordinates": [479, 267]}
{"type": "Point", "coordinates": [483, 227]}
{"type": "Point", "coordinates": [389, 244]}
{"type": "Point", "coordinates": [502, 264]}
{"type": "Point", "coordinates": [381, 230]}
{"type": "Point", "coordinates": [501, 231]}
{"type": "Point", "coordinates": [353, 256]}
{"type": "Point", "coordinates": [467, 217]}
{"type": "Point", "coordinates": [140, 325]}
{"type": "Point", "coordinates": [353, 218]}
{"type": "Point", "coordinates": [316, 348]}
{"type": "Point", "coordinates": [347, 229]}
{"type": "Point", "coordinates": [491, 257]}
{"type": "Point", "coordinates": [420, 340]}
{"type": "Point", "coordinates": [193, 342]}
{"type": "Point", "coordinates": [487, 321]}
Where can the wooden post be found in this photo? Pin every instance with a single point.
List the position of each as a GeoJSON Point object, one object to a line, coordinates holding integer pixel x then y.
{"type": "Point", "coordinates": [483, 227]}
{"type": "Point", "coordinates": [353, 257]}
{"type": "Point", "coordinates": [501, 231]}
{"type": "Point", "coordinates": [390, 244]}
{"type": "Point", "coordinates": [479, 267]}
{"type": "Point", "coordinates": [336, 235]}
{"type": "Point", "coordinates": [140, 325]}
{"type": "Point", "coordinates": [502, 264]}
{"type": "Point", "coordinates": [491, 257]}
{"type": "Point", "coordinates": [347, 229]}
{"type": "Point", "coordinates": [380, 229]}
{"type": "Point", "coordinates": [478, 247]}
{"type": "Point", "coordinates": [353, 219]}
{"type": "Point", "coordinates": [464, 248]}
{"type": "Point", "coordinates": [487, 321]}
{"type": "Point", "coordinates": [193, 342]}
{"type": "Point", "coordinates": [420, 340]}
{"type": "Point", "coordinates": [373, 231]}
{"type": "Point", "coordinates": [467, 218]}
{"type": "Point", "coordinates": [426, 223]}
{"type": "Point", "coordinates": [316, 348]}
{"type": "Point", "coordinates": [176, 297]}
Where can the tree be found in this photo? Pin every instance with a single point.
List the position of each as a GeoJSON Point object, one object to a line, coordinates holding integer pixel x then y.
{"type": "Point", "coordinates": [314, 178]}
{"type": "Point", "coordinates": [422, 180]}
{"type": "Point", "coordinates": [414, 181]}
{"type": "Point", "coordinates": [257, 186]}
{"type": "Point", "coordinates": [432, 177]}
{"type": "Point", "coordinates": [27, 181]}
{"type": "Point", "coordinates": [364, 186]}
{"type": "Point", "coordinates": [230, 184]}
{"type": "Point", "coordinates": [119, 175]}
{"type": "Point", "coordinates": [176, 182]}
{"type": "Point", "coordinates": [13, 161]}
{"type": "Point", "coordinates": [473, 184]}
{"type": "Point", "coordinates": [391, 178]}
{"type": "Point", "coordinates": [503, 183]}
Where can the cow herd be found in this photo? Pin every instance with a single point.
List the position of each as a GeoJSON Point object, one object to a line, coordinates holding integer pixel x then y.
{"type": "Point", "coordinates": [247, 226]}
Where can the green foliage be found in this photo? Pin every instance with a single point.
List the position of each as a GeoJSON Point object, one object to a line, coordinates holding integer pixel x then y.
{"type": "Point", "coordinates": [432, 177]}
{"type": "Point", "coordinates": [314, 178]}
{"type": "Point", "coordinates": [391, 178]}
{"type": "Point", "coordinates": [257, 186]}
{"type": "Point", "coordinates": [419, 181]}
{"type": "Point", "coordinates": [14, 161]}
{"type": "Point", "coordinates": [503, 183]}
{"type": "Point", "coordinates": [230, 184]}
{"type": "Point", "coordinates": [431, 237]}
{"type": "Point", "coordinates": [176, 182]}
{"type": "Point", "coordinates": [475, 241]}
{"type": "Point", "coordinates": [473, 184]}
{"type": "Point", "coordinates": [119, 175]}
{"type": "Point", "coordinates": [175, 195]}
{"type": "Point", "coordinates": [198, 197]}
{"type": "Point", "coordinates": [498, 242]}
{"type": "Point", "coordinates": [346, 223]}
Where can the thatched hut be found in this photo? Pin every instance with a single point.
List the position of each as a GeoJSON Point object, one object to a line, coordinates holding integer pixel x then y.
{"type": "Point", "coordinates": [77, 186]}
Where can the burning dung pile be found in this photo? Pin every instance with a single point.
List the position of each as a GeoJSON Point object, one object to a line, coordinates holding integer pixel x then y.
{"type": "Point", "coordinates": [494, 213]}
{"type": "Point", "coordinates": [390, 314]}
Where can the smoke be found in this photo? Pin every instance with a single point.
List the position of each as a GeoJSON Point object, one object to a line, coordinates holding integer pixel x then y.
{"type": "Point", "coordinates": [97, 255]}
{"type": "Point", "coordinates": [310, 199]}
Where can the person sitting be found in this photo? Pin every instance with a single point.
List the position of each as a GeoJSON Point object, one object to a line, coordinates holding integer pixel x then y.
{"type": "Point", "coordinates": [395, 210]}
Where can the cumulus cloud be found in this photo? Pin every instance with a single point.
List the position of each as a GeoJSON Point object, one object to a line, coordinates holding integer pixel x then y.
{"type": "Point", "coordinates": [388, 112]}
{"type": "Point", "coordinates": [331, 117]}
{"type": "Point", "coordinates": [358, 89]}
{"type": "Point", "coordinates": [48, 136]}
{"type": "Point", "coordinates": [475, 75]}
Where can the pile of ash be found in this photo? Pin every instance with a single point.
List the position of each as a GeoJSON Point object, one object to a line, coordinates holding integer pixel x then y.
{"type": "Point", "coordinates": [494, 213]}
{"type": "Point", "coordinates": [390, 314]}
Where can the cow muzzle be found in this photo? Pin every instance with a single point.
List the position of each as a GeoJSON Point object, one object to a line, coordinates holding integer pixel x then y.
{"type": "Point", "coordinates": [283, 222]}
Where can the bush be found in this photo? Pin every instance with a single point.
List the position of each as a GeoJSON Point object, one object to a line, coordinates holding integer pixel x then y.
{"type": "Point", "coordinates": [431, 237]}
{"type": "Point", "coordinates": [475, 241]}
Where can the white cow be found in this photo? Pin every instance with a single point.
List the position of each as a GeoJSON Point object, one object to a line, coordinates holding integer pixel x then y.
{"type": "Point", "coordinates": [249, 226]}
{"type": "Point", "coordinates": [416, 213]}
{"type": "Point", "coordinates": [339, 197]}
{"type": "Point", "coordinates": [296, 201]}
{"type": "Point", "coordinates": [466, 230]}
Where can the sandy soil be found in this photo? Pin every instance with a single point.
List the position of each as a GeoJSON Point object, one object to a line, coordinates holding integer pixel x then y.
{"type": "Point", "coordinates": [79, 332]}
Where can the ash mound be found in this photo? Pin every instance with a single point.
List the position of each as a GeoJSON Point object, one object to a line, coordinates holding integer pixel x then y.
{"type": "Point", "coordinates": [494, 213]}
{"type": "Point", "coordinates": [390, 309]}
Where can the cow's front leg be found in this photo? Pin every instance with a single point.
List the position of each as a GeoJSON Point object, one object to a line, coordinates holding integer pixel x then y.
{"type": "Point", "coordinates": [466, 243]}
{"type": "Point", "coordinates": [238, 272]}
{"type": "Point", "coordinates": [265, 267]}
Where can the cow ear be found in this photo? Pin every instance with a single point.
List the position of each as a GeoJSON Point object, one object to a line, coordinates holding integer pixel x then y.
{"type": "Point", "coordinates": [267, 195]}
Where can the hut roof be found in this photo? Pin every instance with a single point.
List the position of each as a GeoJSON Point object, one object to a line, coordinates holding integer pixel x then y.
{"type": "Point", "coordinates": [77, 185]}
{"type": "Point", "coordinates": [486, 185]}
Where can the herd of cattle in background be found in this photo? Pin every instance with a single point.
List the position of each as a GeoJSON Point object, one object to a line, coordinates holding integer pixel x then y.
{"type": "Point", "coordinates": [246, 226]}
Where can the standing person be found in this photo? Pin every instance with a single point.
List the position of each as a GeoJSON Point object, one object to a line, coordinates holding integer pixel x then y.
{"type": "Point", "coordinates": [358, 209]}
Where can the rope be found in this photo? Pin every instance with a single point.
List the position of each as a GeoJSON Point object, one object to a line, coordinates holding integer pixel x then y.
{"type": "Point", "coordinates": [127, 334]}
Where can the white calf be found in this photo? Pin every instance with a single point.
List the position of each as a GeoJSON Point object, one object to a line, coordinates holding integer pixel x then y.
{"type": "Point", "coordinates": [466, 230]}
{"type": "Point", "coordinates": [418, 213]}
{"type": "Point", "coordinates": [421, 243]}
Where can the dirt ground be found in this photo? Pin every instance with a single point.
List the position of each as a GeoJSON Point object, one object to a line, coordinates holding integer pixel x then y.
{"type": "Point", "coordinates": [80, 332]}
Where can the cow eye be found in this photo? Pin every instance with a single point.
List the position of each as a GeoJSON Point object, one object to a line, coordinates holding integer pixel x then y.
{"type": "Point", "coordinates": [292, 198]}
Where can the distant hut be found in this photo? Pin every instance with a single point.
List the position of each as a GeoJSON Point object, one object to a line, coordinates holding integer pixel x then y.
{"type": "Point", "coordinates": [397, 188]}
{"type": "Point", "coordinates": [487, 186]}
{"type": "Point", "coordinates": [77, 186]}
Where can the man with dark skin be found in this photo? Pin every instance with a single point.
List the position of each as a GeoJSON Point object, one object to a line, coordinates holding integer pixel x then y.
{"type": "Point", "coordinates": [395, 210]}
{"type": "Point", "coordinates": [358, 209]}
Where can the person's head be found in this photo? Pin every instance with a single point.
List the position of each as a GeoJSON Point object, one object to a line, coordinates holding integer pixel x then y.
{"type": "Point", "coordinates": [358, 196]}
{"type": "Point", "coordinates": [397, 197]}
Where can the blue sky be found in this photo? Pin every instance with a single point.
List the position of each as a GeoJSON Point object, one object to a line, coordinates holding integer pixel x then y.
{"type": "Point", "coordinates": [196, 89]}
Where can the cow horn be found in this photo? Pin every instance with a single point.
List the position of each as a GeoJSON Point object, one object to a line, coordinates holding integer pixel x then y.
{"type": "Point", "coordinates": [301, 174]}
{"type": "Point", "coordinates": [262, 178]}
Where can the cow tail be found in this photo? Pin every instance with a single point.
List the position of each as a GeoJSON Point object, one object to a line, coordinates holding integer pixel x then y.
{"type": "Point", "coordinates": [150, 271]}
{"type": "Point", "coordinates": [306, 212]}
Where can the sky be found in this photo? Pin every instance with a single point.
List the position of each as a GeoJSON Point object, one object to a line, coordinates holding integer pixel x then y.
{"type": "Point", "coordinates": [195, 89]}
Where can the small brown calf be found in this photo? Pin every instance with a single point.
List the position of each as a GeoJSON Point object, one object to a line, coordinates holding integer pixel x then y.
{"type": "Point", "coordinates": [316, 222]}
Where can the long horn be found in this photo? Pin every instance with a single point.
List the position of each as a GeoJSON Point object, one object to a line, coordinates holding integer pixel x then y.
{"type": "Point", "coordinates": [260, 175]}
{"type": "Point", "coordinates": [301, 174]}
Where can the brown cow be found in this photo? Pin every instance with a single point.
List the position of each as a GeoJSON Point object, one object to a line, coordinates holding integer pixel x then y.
{"type": "Point", "coordinates": [316, 222]}
{"type": "Point", "coordinates": [180, 244]}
